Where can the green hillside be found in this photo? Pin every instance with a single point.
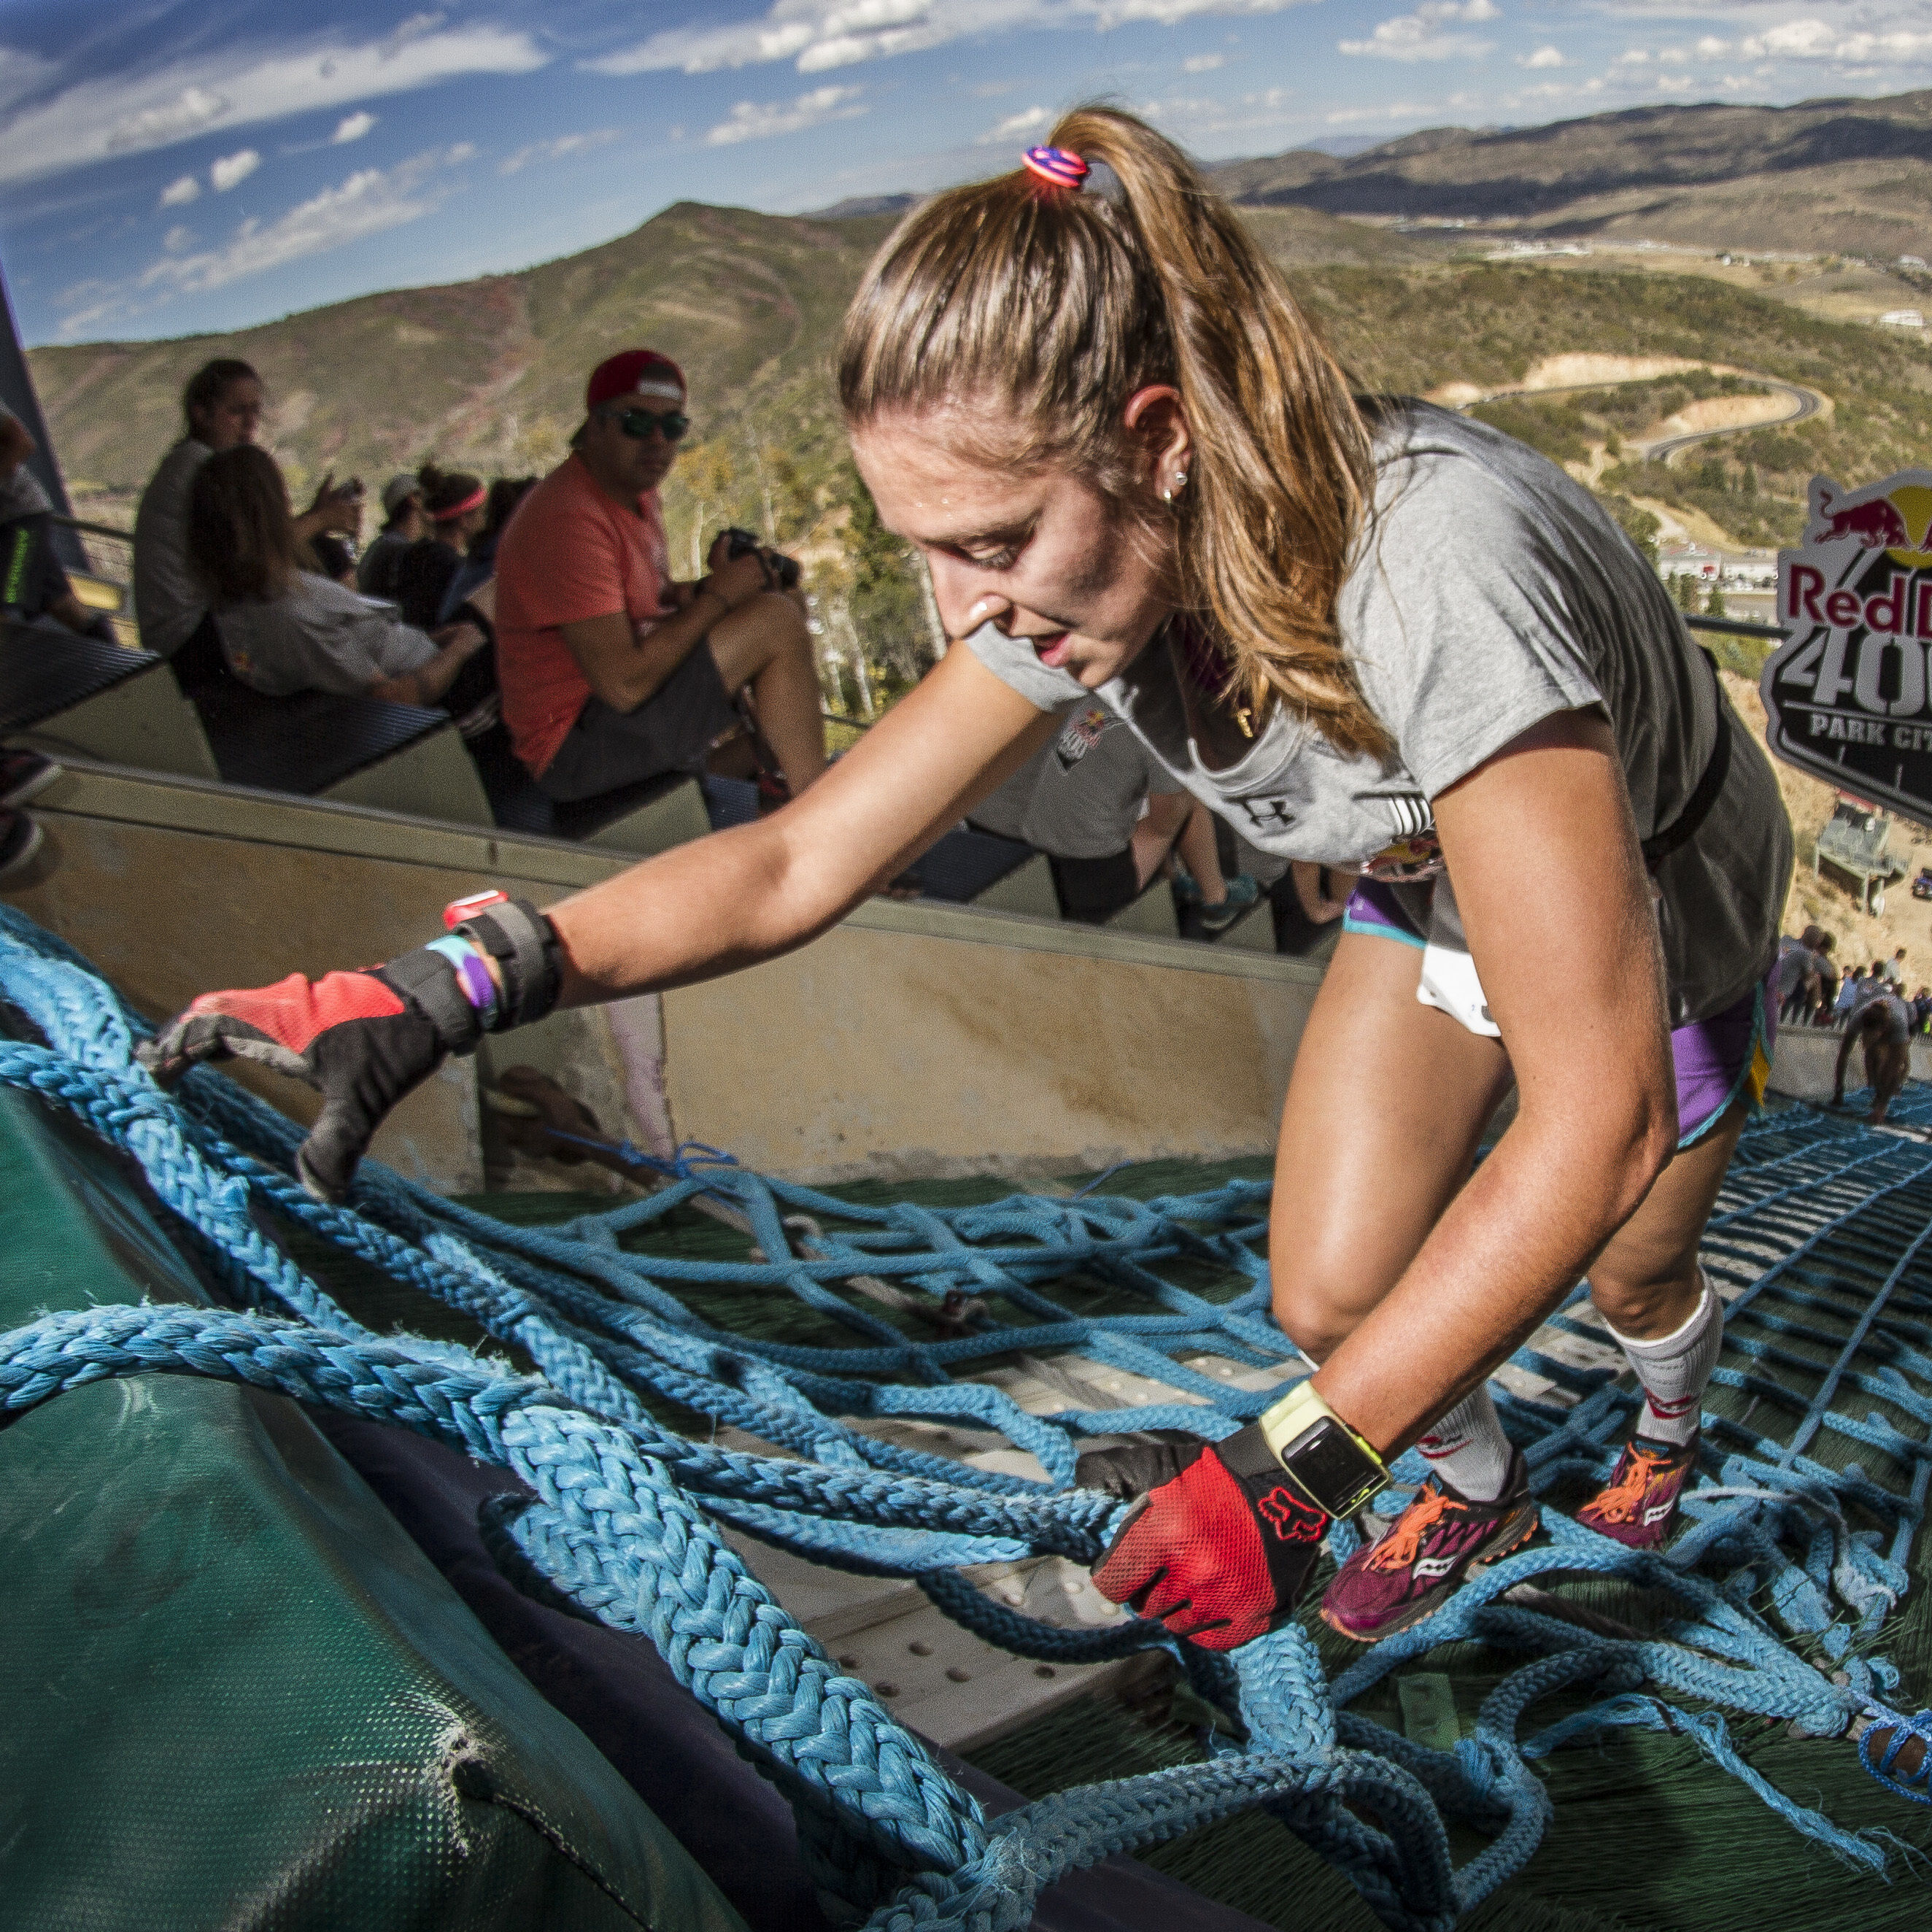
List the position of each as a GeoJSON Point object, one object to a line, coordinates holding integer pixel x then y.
{"type": "Point", "coordinates": [1488, 325]}
{"type": "Point", "coordinates": [487, 375]}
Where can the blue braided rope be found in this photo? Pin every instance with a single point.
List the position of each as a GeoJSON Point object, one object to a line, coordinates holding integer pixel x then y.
{"type": "Point", "coordinates": [621, 1521]}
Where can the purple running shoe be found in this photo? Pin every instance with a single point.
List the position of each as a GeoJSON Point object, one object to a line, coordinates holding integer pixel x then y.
{"type": "Point", "coordinates": [1411, 1569]}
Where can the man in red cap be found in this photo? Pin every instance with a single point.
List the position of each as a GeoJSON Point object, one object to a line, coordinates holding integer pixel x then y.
{"type": "Point", "coordinates": [610, 672]}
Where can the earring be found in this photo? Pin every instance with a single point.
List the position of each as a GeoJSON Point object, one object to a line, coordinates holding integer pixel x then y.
{"type": "Point", "coordinates": [1167, 495]}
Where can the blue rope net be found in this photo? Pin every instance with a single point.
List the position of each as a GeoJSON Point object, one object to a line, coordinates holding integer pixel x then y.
{"type": "Point", "coordinates": [1795, 1555]}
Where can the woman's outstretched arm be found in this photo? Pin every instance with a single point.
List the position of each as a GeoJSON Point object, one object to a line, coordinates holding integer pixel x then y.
{"type": "Point", "coordinates": [705, 909]}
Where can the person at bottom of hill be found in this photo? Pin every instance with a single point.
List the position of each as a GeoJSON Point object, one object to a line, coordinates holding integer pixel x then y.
{"type": "Point", "coordinates": [1884, 1023]}
{"type": "Point", "coordinates": [612, 673]}
{"type": "Point", "coordinates": [1799, 962]}
{"type": "Point", "coordinates": [1371, 634]}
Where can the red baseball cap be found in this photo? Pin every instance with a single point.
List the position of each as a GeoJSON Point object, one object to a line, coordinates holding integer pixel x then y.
{"type": "Point", "coordinates": [634, 372]}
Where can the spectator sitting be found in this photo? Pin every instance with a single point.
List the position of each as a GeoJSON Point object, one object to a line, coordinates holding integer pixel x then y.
{"type": "Point", "coordinates": [475, 584]}
{"type": "Point", "coordinates": [611, 673]}
{"type": "Point", "coordinates": [456, 508]}
{"type": "Point", "coordinates": [402, 505]}
{"type": "Point", "coordinates": [283, 629]}
{"type": "Point", "coordinates": [333, 559]}
{"type": "Point", "coordinates": [32, 583]}
{"type": "Point", "coordinates": [1893, 970]}
{"type": "Point", "coordinates": [222, 408]}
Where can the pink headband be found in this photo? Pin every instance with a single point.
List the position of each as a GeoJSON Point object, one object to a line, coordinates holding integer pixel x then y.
{"type": "Point", "coordinates": [1057, 166]}
{"type": "Point", "coordinates": [476, 496]}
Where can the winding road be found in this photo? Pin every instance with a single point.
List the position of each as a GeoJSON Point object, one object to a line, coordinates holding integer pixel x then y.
{"type": "Point", "coordinates": [1805, 403]}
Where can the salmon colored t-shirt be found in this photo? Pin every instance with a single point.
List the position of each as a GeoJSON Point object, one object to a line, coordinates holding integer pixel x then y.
{"type": "Point", "coordinates": [570, 552]}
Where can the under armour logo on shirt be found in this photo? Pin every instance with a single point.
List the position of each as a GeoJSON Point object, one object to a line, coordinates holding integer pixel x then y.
{"type": "Point", "coordinates": [1268, 814]}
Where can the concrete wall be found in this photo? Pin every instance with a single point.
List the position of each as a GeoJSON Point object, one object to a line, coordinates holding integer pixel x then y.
{"type": "Point", "coordinates": [1803, 1064]}
{"type": "Point", "coordinates": [914, 1039]}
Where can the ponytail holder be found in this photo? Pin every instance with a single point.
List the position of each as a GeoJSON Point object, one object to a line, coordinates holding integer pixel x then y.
{"type": "Point", "coordinates": [1055, 165]}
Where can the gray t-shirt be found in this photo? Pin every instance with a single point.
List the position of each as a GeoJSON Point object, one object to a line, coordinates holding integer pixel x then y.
{"type": "Point", "coordinates": [169, 600]}
{"type": "Point", "coordinates": [1081, 797]}
{"type": "Point", "coordinates": [1794, 962]}
{"type": "Point", "coordinates": [319, 636]}
{"type": "Point", "coordinates": [1491, 591]}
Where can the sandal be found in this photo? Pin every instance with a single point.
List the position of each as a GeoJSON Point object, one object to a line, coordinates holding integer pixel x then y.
{"type": "Point", "coordinates": [1902, 1747]}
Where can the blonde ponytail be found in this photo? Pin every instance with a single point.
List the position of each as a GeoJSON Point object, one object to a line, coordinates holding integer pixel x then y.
{"type": "Point", "coordinates": [1056, 305]}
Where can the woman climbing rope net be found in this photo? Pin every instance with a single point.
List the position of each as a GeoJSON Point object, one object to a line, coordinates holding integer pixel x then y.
{"type": "Point", "coordinates": [1373, 636]}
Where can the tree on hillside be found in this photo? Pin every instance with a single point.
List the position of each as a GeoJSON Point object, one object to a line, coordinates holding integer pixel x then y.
{"type": "Point", "coordinates": [708, 475]}
{"type": "Point", "coordinates": [885, 597]}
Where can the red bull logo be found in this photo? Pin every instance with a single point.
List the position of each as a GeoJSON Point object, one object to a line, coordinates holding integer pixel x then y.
{"type": "Point", "coordinates": [1848, 695]}
{"type": "Point", "coordinates": [1894, 516]}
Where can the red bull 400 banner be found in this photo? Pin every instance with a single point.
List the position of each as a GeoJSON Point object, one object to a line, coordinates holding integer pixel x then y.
{"type": "Point", "coordinates": [1847, 696]}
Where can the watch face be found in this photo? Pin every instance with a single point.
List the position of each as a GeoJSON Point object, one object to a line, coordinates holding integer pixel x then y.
{"type": "Point", "coordinates": [1328, 1464]}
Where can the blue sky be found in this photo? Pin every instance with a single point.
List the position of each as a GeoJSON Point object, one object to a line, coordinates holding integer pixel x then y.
{"type": "Point", "coordinates": [168, 166]}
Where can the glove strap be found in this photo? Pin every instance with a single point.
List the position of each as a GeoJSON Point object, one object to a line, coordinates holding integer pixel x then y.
{"type": "Point", "coordinates": [524, 944]}
{"type": "Point", "coordinates": [430, 980]}
{"type": "Point", "coordinates": [1322, 1456]}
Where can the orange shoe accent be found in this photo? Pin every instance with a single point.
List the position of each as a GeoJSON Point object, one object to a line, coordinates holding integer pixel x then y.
{"type": "Point", "coordinates": [1403, 1544]}
{"type": "Point", "coordinates": [1621, 1504]}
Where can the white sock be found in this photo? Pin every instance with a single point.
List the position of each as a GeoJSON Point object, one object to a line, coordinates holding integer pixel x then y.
{"type": "Point", "coordinates": [1675, 1369]}
{"type": "Point", "coordinates": [1467, 1449]}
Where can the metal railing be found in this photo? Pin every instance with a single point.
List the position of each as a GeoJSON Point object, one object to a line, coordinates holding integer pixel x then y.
{"type": "Point", "coordinates": [1736, 627]}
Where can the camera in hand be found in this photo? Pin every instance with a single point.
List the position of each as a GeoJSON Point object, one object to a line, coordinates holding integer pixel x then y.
{"type": "Point", "coordinates": [784, 570]}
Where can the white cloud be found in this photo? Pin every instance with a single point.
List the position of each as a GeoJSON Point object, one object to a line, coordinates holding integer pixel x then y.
{"type": "Point", "coordinates": [759, 121]}
{"type": "Point", "coordinates": [1425, 34]}
{"type": "Point", "coordinates": [232, 170]}
{"type": "Point", "coordinates": [367, 202]}
{"type": "Point", "coordinates": [1633, 57]}
{"type": "Point", "coordinates": [1028, 121]}
{"type": "Point", "coordinates": [352, 126]}
{"type": "Point", "coordinates": [67, 127]}
{"type": "Point", "coordinates": [1203, 63]}
{"type": "Point", "coordinates": [179, 192]}
{"type": "Point", "coordinates": [177, 239]}
{"type": "Point", "coordinates": [554, 150]}
{"type": "Point", "coordinates": [1710, 47]}
{"type": "Point", "coordinates": [815, 35]}
{"type": "Point", "coordinates": [1816, 39]}
{"type": "Point", "coordinates": [1543, 57]}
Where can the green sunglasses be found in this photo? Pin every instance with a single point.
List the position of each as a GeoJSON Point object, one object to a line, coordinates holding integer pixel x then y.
{"type": "Point", "coordinates": [672, 423]}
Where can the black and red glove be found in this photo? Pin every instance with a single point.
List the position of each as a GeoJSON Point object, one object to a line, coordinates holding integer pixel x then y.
{"type": "Point", "coordinates": [365, 1038]}
{"type": "Point", "coordinates": [1221, 1554]}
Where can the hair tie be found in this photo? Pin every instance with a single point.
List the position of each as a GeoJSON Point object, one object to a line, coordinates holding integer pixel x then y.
{"type": "Point", "coordinates": [1057, 166]}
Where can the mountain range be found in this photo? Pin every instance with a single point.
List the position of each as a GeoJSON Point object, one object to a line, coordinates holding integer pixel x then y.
{"type": "Point", "coordinates": [1851, 176]}
{"type": "Point", "coordinates": [487, 375]}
